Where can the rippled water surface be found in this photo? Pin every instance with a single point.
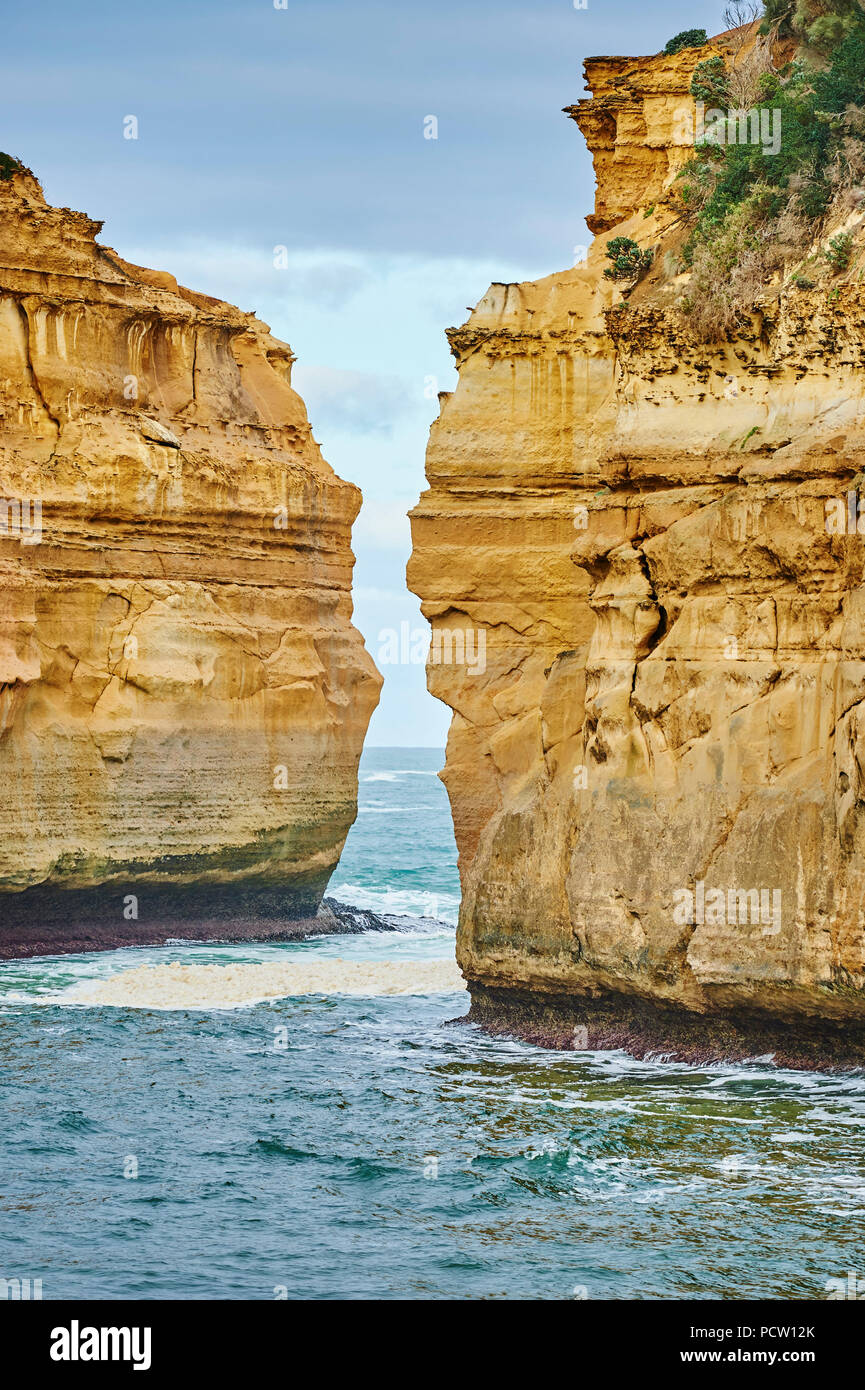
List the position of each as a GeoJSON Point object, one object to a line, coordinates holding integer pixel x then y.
{"type": "Point", "coordinates": [336, 1145]}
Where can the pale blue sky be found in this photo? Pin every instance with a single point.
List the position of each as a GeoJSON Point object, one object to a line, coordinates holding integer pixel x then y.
{"type": "Point", "coordinates": [303, 127]}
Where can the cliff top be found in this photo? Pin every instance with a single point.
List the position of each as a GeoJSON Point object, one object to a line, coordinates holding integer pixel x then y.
{"type": "Point", "coordinates": [726, 172]}
{"type": "Point", "coordinates": [40, 238]}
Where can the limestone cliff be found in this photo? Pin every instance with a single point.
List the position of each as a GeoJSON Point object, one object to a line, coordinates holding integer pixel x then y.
{"type": "Point", "coordinates": [670, 719]}
{"type": "Point", "coordinates": [183, 698]}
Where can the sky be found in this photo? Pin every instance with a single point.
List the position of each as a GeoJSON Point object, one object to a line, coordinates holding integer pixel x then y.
{"type": "Point", "coordinates": [300, 124]}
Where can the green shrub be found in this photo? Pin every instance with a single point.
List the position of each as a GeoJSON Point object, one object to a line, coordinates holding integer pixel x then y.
{"type": "Point", "coordinates": [710, 82]}
{"type": "Point", "coordinates": [842, 83]}
{"type": "Point", "coordinates": [688, 38]}
{"type": "Point", "coordinates": [822, 23]}
{"type": "Point", "coordinates": [9, 165]}
{"type": "Point", "coordinates": [770, 85]}
{"type": "Point", "coordinates": [627, 259]}
{"type": "Point", "coordinates": [839, 252]}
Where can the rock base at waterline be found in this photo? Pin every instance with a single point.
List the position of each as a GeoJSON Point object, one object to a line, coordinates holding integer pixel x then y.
{"type": "Point", "coordinates": [645, 1029]}
{"type": "Point", "coordinates": [219, 917]}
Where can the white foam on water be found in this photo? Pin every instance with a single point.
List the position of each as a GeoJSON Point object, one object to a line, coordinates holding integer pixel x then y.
{"type": "Point", "coordinates": [179, 986]}
{"type": "Point", "coordinates": [398, 902]}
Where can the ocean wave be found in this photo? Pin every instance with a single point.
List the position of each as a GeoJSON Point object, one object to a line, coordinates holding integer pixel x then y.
{"type": "Point", "coordinates": [178, 986]}
{"type": "Point", "coordinates": [399, 902]}
{"type": "Point", "coordinates": [395, 773]}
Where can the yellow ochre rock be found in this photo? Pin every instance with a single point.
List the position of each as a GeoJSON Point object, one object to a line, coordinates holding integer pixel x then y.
{"type": "Point", "coordinates": [183, 697]}
{"type": "Point", "coordinates": [658, 778]}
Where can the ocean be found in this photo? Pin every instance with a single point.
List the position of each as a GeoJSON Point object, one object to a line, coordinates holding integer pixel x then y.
{"type": "Point", "coordinates": [177, 1133]}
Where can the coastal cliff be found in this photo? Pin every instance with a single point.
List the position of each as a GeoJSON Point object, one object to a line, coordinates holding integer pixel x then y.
{"type": "Point", "coordinates": [658, 779]}
{"type": "Point", "coordinates": [183, 697]}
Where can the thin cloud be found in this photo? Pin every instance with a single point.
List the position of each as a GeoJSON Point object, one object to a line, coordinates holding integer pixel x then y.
{"type": "Point", "coordinates": [353, 402]}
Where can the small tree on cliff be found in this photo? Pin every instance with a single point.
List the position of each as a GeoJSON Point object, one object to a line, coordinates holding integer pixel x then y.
{"type": "Point", "coordinates": [628, 261]}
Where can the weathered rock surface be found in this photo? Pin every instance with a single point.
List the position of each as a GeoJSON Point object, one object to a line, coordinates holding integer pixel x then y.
{"type": "Point", "coordinates": [183, 698]}
{"type": "Point", "coordinates": [675, 649]}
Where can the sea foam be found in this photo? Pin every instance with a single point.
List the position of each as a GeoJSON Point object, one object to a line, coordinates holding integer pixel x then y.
{"type": "Point", "coordinates": [179, 986]}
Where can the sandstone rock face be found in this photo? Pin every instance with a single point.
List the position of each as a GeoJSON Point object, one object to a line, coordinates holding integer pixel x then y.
{"type": "Point", "coordinates": [183, 698]}
{"type": "Point", "coordinates": [636, 124]}
{"type": "Point", "coordinates": [658, 781]}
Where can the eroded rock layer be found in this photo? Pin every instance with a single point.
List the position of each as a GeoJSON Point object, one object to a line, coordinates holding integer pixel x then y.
{"type": "Point", "coordinates": [658, 780]}
{"type": "Point", "coordinates": [183, 698]}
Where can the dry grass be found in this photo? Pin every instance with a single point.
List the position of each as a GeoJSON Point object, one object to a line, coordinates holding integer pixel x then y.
{"type": "Point", "coordinates": [719, 300]}
{"type": "Point", "coordinates": [750, 53]}
{"type": "Point", "coordinates": [730, 274]}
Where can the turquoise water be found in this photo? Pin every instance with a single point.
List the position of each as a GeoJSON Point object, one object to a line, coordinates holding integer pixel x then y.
{"type": "Point", "coordinates": [376, 1152]}
{"type": "Point", "coordinates": [400, 856]}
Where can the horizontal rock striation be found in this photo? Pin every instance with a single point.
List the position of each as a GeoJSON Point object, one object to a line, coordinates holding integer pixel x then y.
{"type": "Point", "coordinates": [658, 780]}
{"type": "Point", "coordinates": [183, 698]}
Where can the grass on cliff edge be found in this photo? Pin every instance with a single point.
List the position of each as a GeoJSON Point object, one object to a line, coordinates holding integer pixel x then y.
{"type": "Point", "coordinates": [751, 212]}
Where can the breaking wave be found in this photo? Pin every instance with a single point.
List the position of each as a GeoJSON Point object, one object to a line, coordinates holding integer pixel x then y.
{"type": "Point", "coordinates": [414, 903]}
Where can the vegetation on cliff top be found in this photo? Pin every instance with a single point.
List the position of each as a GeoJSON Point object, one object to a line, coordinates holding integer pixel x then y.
{"type": "Point", "coordinates": [688, 38]}
{"type": "Point", "coordinates": [9, 165]}
{"type": "Point", "coordinates": [756, 206]}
